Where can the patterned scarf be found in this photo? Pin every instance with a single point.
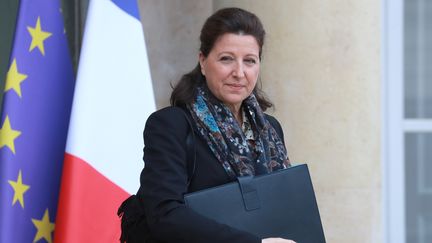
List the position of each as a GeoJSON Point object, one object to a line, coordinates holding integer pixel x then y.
{"type": "Point", "coordinates": [226, 139]}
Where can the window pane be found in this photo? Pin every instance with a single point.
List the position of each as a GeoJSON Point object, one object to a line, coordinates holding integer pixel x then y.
{"type": "Point", "coordinates": [426, 228]}
{"type": "Point", "coordinates": [418, 58]}
{"type": "Point", "coordinates": [418, 169]}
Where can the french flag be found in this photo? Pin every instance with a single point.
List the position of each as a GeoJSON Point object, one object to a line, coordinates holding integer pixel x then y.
{"type": "Point", "coordinates": [113, 98]}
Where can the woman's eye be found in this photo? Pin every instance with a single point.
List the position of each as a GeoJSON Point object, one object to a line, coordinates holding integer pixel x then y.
{"type": "Point", "coordinates": [250, 61]}
{"type": "Point", "coordinates": [226, 59]}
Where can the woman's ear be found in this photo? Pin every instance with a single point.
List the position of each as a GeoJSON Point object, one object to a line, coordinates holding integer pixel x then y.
{"type": "Point", "coordinates": [202, 60]}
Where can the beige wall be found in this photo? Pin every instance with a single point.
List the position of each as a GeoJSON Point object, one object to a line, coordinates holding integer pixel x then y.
{"type": "Point", "coordinates": [321, 68]}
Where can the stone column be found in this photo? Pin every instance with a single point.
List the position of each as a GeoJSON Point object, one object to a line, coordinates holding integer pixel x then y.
{"type": "Point", "coordinates": [171, 31]}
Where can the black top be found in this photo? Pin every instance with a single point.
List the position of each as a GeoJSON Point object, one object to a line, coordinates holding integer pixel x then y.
{"type": "Point", "coordinates": [164, 181]}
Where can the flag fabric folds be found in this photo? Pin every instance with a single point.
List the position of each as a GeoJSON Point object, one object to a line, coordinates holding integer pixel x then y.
{"type": "Point", "coordinates": [34, 123]}
{"type": "Point", "coordinates": [113, 98]}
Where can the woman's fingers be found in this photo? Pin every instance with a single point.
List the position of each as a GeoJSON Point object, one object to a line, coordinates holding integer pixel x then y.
{"type": "Point", "coordinates": [277, 240]}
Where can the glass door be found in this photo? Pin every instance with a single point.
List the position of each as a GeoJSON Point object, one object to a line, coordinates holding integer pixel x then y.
{"type": "Point", "coordinates": [418, 119]}
{"type": "Point", "coordinates": [407, 123]}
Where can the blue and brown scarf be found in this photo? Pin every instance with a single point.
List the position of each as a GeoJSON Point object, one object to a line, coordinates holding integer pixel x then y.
{"type": "Point", "coordinates": [226, 139]}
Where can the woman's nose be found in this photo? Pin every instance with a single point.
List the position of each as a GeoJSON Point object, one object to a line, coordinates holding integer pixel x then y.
{"type": "Point", "coordinates": [239, 71]}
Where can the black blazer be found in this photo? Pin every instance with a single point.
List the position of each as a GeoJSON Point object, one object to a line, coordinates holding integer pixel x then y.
{"type": "Point", "coordinates": [164, 181]}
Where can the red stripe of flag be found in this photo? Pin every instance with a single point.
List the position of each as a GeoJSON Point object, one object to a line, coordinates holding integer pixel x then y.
{"type": "Point", "coordinates": [88, 204]}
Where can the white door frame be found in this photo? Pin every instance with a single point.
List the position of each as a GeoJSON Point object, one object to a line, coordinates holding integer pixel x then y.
{"type": "Point", "coordinates": [393, 186]}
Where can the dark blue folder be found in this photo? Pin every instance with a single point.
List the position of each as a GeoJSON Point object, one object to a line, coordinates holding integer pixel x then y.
{"type": "Point", "coordinates": [280, 204]}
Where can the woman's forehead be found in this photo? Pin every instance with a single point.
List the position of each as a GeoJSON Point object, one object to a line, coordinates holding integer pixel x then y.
{"type": "Point", "coordinates": [236, 43]}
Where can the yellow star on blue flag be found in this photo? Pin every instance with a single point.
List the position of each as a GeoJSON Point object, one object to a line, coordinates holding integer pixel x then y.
{"type": "Point", "coordinates": [14, 79]}
{"type": "Point", "coordinates": [8, 135]}
{"type": "Point", "coordinates": [19, 189]}
{"type": "Point", "coordinates": [38, 37]}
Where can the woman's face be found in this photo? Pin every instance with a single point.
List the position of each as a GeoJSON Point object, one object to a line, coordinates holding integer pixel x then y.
{"type": "Point", "coordinates": [232, 68]}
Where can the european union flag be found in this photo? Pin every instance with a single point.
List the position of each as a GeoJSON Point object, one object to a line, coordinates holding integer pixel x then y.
{"type": "Point", "coordinates": [33, 127]}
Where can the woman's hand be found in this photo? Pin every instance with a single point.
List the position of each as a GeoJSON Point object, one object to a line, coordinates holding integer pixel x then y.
{"type": "Point", "coordinates": [277, 240]}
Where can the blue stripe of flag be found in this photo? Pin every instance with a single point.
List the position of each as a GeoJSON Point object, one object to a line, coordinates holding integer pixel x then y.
{"type": "Point", "coordinates": [129, 6]}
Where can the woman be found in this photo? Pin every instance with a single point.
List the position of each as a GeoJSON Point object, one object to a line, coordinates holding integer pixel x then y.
{"type": "Point", "coordinates": [233, 137]}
